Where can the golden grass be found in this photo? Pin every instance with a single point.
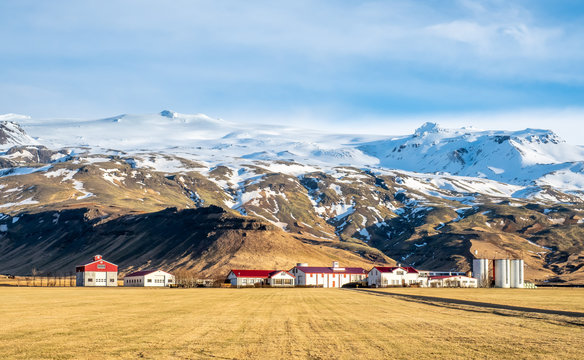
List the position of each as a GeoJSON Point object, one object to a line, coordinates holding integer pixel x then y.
{"type": "Point", "coordinates": [130, 323]}
{"type": "Point", "coordinates": [565, 299]}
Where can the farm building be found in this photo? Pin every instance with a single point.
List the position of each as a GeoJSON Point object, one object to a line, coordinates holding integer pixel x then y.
{"type": "Point", "coordinates": [381, 276]}
{"type": "Point", "coordinates": [452, 281]}
{"type": "Point", "coordinates": [328, 277]}
{"type": "Point", "coordinates": [97, 273]}
{"type": "Point", "coordinates": [279, 278]}
{"type": "Point", "coordinates": [149, 278]}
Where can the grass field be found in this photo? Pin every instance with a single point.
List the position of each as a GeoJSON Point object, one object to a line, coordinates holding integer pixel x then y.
{"type": "Point", "coordinates": [130, 323]}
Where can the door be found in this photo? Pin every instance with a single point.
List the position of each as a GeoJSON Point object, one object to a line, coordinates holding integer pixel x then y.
{"type": "Point", "coordinates": [100, 278]}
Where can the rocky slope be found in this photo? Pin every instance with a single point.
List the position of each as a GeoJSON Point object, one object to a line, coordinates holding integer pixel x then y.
{"type": "Point", "coordinates": [312, 197]}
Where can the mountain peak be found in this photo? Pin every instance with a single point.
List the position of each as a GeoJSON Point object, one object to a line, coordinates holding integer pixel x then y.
{"type": "Point", "coordinates": [12, 134]}
{"type": "Point", "coordinates": [168, 113]}
{"type": "Point", "coordinates": [428, 127]}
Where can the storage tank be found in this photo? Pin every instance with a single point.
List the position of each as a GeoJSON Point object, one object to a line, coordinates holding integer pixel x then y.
{"type": "Point", "coordinates": [517, 273]}
{"type": "Point", "coordinates": [480, 270]}
{"type": "Point", "coordinates": [502, 273]}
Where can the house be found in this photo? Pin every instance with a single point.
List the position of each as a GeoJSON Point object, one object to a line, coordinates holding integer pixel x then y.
{"type": "Point", "coordinates": [328, 277]}
{"type": "Point", "coordinates": [149, 278]}
{"type": "Point", "coordinates": [452, 281]}
{"type": "Point", "coordinates": [97, 273]}
{"type": "Point", "coordinates": [277, 278]}
{"type": "Point", "coordinates": [383, 276]}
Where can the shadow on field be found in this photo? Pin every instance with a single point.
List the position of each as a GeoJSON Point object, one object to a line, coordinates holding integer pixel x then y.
{"type": "Point", "coordinates": [477, 305]}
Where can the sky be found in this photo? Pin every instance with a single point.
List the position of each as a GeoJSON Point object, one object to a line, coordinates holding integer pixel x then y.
{"type": "Point", "coordinates": [360, 66]}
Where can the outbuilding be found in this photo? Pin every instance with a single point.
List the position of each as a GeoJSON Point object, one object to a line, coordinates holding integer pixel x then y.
{"type": "Point", "coordinates": [99, 272]}
{"type": "Point", "coordinates": [276, 278]}
{"type": "Point", "coordinates": [452, 281]}
{"type": "Point", "coordinates": [328, 277]}
{"type": "Point", "coordinates": [384, 276]}
{"type": "Point", "coordinates": [149, 278]}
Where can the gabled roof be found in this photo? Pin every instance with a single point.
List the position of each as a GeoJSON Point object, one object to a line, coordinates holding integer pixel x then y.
{"type": "Point", "coordinates": [145, 272]}
{"type": "Point", "coordinates": [254, 273]}
{"type": "Point", "coordinates": [274, 273]}
{"type": "Point", "coordinates": [387, 269]}
{"type": "Point", "coordinates": [97, 261]}
{"type": "Point", "coordinates": [330, 270]}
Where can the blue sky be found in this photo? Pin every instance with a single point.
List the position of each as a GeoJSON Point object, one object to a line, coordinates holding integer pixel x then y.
{"type": "Point", "coordinates": [362, 65]}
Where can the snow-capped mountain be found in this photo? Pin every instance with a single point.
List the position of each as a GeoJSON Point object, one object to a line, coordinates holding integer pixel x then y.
{"type": "Point", "coordinates": [11, 134]}
{"type": "Point", "coordinates": [529, 157]}
{"type": "Point", "coordinates": [423, 199]}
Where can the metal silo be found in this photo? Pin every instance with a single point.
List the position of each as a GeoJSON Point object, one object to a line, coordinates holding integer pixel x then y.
{"type": "Point", "coordinates": [517, 273]}
{"type": "Point", "coordinates": [502, 273]}
{"type": "Point", "coordinates": [480, 270]}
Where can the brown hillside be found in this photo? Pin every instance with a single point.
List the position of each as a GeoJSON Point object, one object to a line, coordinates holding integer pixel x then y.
{"type": "Point", "coordinates": [209, 241]}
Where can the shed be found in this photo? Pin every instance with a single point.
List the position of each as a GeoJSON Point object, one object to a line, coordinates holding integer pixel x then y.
{"type": "Point", "coordinates": [278, 278]}
{"type": "Point", "coordinates": [149, 278]}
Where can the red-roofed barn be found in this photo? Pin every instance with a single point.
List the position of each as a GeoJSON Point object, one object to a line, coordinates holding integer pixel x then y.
{"type": "Point", "coordinates": [97, 273]}
{"type": "Point", "coordinates": [149, 278]}
{"type": "Point", "coordinates": [279, 278]}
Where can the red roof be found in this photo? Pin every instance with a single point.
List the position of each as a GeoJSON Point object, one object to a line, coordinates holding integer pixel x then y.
{"type": "Point", "coordinates": [386, 269]}
{"type": "Point", "coordinates": [265, 274]}
{"type": "Point", "coordinates": [97, 265]}
{"type": "Point", "coordinates": [143, 273]}
{"type": "Point", "coordinates": [330, 270]}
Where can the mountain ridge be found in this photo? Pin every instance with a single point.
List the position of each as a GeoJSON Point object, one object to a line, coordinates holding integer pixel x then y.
{"type": "Point", "coordinates": [319, 187]}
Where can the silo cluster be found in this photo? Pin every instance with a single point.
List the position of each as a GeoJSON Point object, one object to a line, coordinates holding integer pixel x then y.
{"type": "Point", "coordinates": [507, 273]}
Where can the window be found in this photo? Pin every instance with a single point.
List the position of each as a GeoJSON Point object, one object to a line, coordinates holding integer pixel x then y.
{"type": "Point", "coordinates": [149, 280]}
{"type": "Point", "coordinates": [244, 281]}
{"type": "Point", "coordinates": [169, 280]}
{"type": "Point", "coordinates": [112, 280]}
{"type": "Point", "coordinates": [90, 280]}
{"type": "Point", "coordinates": [101, 266]}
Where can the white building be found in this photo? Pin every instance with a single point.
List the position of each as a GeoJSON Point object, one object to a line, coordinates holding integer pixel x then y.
{"type": "Point", "coordinates": [452, 281]}
{"type": "Point", "coordinates": [276, 278]}
{"type": "Point", "coordinates": [383, 276]}
{"type": "Point", "coordinates": [328, 277]}
{"type": "Point", "coordinates": [149, 278]}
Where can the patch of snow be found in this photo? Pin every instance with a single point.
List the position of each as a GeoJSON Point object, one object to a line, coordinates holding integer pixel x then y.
{"type": "Point", "coordinates": [28, 201]}
{"type": "Point", "coordinates": [109, 175]}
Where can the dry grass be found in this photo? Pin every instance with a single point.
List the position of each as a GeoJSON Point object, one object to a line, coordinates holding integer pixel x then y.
{"type": "Point", "coordinates": [130, 323]}
{"type": "Point", "coordinates": [565, 299]}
